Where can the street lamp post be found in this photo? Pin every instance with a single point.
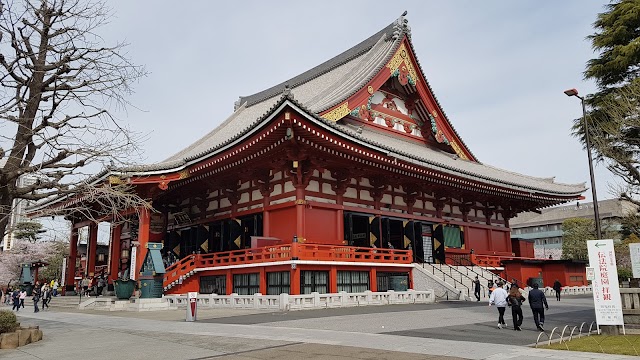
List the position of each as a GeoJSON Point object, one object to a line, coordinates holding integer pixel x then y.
{"type": "Point", "coordinates": [574, 92]}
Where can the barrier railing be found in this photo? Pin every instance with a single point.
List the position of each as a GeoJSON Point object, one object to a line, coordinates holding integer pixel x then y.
{"type": "Point", "coordinates": [293, 251]}
{"type": "Point", "coordinates": [287, 302]}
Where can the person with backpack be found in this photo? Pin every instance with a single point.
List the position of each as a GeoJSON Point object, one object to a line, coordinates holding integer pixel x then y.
{"type": "Point", "coordinates": [515, 300]}
{"type": "Point", "coordinates": [15, 296]}
{"type": "Point", "coordinates": [46, 296]}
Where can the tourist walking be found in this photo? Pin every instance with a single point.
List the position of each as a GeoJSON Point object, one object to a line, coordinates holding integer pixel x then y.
{"type": "Point", "coordinates": [538, 303]}
{"type": "Point", "coordinates": [85, 286]}
{"type": "Point", "coordinates": [476, 288]}
{"type": "Point", "coordinates": [15, 296]}
{"type": "Point", "coordinates": [557, 287]}
{"type": "Point", "coordinates": [46, 296]}
{"type": "Point", "coordinates": [23, 295]}
{"type": "Point", "coordinates": [490, 286]}
{"type": "Point", "coordinates": [55, 287]}
{"type": "Point", "coordinates": [499, 299]}
{"type": "Point", "coordinates": [36, 299]}
{"type": "Point", "coordinates": [101, 284]}
{"type": "Point", "coordinates": [515, 300]}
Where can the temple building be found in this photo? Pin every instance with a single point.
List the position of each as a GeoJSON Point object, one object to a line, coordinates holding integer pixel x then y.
{"type": "Point", "coordinates": [338, 179]}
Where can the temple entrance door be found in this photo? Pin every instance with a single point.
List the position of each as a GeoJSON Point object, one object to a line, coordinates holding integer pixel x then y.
{"type": "Point", "coordinates": [357, 229]}
{"type": "Point", "coordinates": [424, 243]}
{"type": "Point", "coordinates": [251, 226]}
{"type": "Point", "coordinates": [215, 237]}
{"type": "Point", "coordinates": [393, 233]}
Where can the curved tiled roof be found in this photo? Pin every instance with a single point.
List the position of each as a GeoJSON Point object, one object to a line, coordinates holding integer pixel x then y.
{"type": "Point", "coordinates": [329, 84]}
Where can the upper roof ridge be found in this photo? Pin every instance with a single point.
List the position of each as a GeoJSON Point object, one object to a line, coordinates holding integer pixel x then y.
{"type": "Point", "coordinates": [391, 32]}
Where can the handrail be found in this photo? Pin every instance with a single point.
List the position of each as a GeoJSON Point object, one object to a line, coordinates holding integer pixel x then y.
{"type": "Point", "coordinates": [457, 263]}
{"type": "Point", "coordinates": [433, 268]}
{"type": "Point", "coordinates": [285, 252]}
{"type": "Point", "coordinates": [461, 275]}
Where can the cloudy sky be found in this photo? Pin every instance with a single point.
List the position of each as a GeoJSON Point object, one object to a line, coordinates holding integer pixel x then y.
{"type": "Point", "coordinates": [498, 68]}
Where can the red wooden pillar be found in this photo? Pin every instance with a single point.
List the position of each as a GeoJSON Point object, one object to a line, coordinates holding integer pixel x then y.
{"type": "Point", "coordinates": [144, 220]}
{"type": "Point", "coordinates": [333, 280]}
{"type": "Point", "coordinates": [300, 211]}
{"type": "Point", "coordinates": [295, 281]}
{"type": "Point", "coordinates": [263, 281]}
{"type": "Point", "coordinates": [92, 245]}
{"type": "Point", "coordinates": [71, 261]}
{"type": "Point", "coordinates": [373, 279]}
{"type": "Point", "coordinates": [114, 254]}
{"type": "Point", "coordinates": [229, 282]}
{"type": "Point", "coordinates": [266, 201]}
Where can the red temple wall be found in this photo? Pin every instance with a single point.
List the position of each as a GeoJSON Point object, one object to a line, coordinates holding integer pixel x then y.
{"type": "Point", "coordinates": [283, 223]}
{"type": "Point", "coordinates": [321, 225]}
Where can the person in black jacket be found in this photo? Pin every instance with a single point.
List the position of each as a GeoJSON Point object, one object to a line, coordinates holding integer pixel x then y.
{"type": "Point", "coordinates": [476, 288]}
{"type": "Point", "coordinates": [557, 287]}
{"type": "Point", "coordinates": [536, 301]}
{"type": "Point", "coordinates": [515, 301]}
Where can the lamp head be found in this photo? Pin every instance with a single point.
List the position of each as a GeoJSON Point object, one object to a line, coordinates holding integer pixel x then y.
{"type": "Point", "coordinates": [571, 92]}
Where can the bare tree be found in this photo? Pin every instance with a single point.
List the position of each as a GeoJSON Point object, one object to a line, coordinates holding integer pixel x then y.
{"type": "Point", "coordinates": [59, 87]}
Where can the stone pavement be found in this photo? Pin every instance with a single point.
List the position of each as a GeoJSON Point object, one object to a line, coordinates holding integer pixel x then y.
{"type": "Point", "coordinates": [398, 332]}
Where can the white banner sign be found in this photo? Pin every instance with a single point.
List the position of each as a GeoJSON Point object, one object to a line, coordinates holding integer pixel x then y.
{"type": "Point", "coordinates": [63, 279]}
{"type": "Point", "coordinates": [132, 271]}
{"type": "Point", "coordinates": [606, 293]}
{"type": "Point", "coordinates": [634, 249]}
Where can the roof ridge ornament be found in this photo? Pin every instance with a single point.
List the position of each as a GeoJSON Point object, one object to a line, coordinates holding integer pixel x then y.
{"type": "Point", "coordinates": [286, 92]}
{"type": "Point", "coordinates": [401, 26]}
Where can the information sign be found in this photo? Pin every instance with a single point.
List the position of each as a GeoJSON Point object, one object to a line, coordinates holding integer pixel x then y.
{"type": "Point", "coordinates": [606, 293]}
{"type": "Point", "coordinates": [132, 271]}
{"type": "Point", "coordinates": [634, 249]}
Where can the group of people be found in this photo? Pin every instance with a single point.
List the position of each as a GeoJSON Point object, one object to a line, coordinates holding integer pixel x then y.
{"type": "Point", "coordinates": [40, 293]}
{"type": "Point", "coordinates": [514, 299]}
{"type": "Point", "coordinates": [89, 284]}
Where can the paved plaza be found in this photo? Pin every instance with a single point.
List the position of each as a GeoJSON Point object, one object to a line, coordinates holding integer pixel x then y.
{"type": "Point", "coordinates": [450, 330]}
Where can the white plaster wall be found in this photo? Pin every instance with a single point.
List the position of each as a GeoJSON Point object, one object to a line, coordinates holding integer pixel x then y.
{"type": "Point", "coordinates": [321, 200]}
{"type": "Point", "coordinates": [418, 205]}
{"type": "Point", "coordinates": [244, 198]}
{"type": "Point", "coordinates": [365, 182]}
{"type": "Point", "coordinates": [283, 200]}
{"type": "Point", "coordinates": [365, 195]}
{"type": "Point", "coordinates": [245, 185]}
{"type": "Point", "coordinates": [386, 199]}
{"type": "Point", "coordinates": [351, 193]}
{"type": "Point", "coordinates": [326, 189]}
{"type": "Point", "coordinates": [256, 195]}
{"type": "Point", "coordinates": [313, 186]}
{"type": "Point", "coordinates": [213, 205]}
{"type": "Point", "coordinates": [327, 175]}
{"type": "Point", "coordinates": [399, 200]}
{"type": "Point", "coordinates": [277, 189]}
{"type": "Point", "coordinates": [288, 186]}
{"type": "Point", "coordinates": [224, 202]}
{"type": "Point", "coordinates": [213, 194]}
{"type": "Point", "coordinates": [277, 176]}
{"type": "Point", "coordinates": [456, 210]}
{"type": "Point", "coordinates": [428, 205]}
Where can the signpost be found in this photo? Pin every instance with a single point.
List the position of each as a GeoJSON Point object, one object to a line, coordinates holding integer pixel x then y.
{"type": "Point", "coordinates": [634, 249]}
{"type": "Point", "coordinates": [132, 270]}
{"type": "Point", "coordinates": [606, 292]}
{"type": "Point", "coordinates": [591, 274]}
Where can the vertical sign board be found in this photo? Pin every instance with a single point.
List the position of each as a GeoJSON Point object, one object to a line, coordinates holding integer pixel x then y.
{"type": "Point", "coordinates": [63, 279]}
{"type": "Point", "coordinates": [132, 271]}
{"type": "Point", "coordinates": [634, 249]}
{"type": "Point", "coordinates": [606, 293]}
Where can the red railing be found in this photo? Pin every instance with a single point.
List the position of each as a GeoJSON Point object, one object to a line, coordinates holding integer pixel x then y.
{"type": "Point", "coordinates": [294, 251]}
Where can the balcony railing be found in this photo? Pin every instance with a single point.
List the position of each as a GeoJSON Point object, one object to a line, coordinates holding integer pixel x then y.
{"type": "Point", "coordinates": [293, 251]}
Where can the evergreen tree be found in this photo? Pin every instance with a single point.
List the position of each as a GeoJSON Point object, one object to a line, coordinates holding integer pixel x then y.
{"type": "Point", "coordinates": [614, 111]}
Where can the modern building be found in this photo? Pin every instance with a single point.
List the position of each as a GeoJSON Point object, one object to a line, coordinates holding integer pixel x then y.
{"type": "Point", "coordinates": [337, 179]}
{"type": "Point", "coordinates": [545, 228]}
{"type": "Point", "coordinates": [18, 211]}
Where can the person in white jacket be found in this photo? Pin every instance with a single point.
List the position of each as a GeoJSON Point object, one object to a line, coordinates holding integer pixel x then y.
{"type": "Point", "coordinates": [499, 299]}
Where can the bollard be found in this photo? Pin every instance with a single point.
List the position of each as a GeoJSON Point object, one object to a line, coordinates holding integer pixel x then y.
{"type": "Point", "coordinates": [192, 306]}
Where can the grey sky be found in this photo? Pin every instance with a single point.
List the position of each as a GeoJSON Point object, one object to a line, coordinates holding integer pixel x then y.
{"type": "Point", "coordinates": [498, 68]}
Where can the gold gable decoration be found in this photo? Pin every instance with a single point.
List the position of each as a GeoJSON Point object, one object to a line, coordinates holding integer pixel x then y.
{"type": "Point", "coordinates": [398, 58]}
{"type": "Point", "coordinates": [458, 150]}
{"type": "Point", "coordinates": [339, 112]}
